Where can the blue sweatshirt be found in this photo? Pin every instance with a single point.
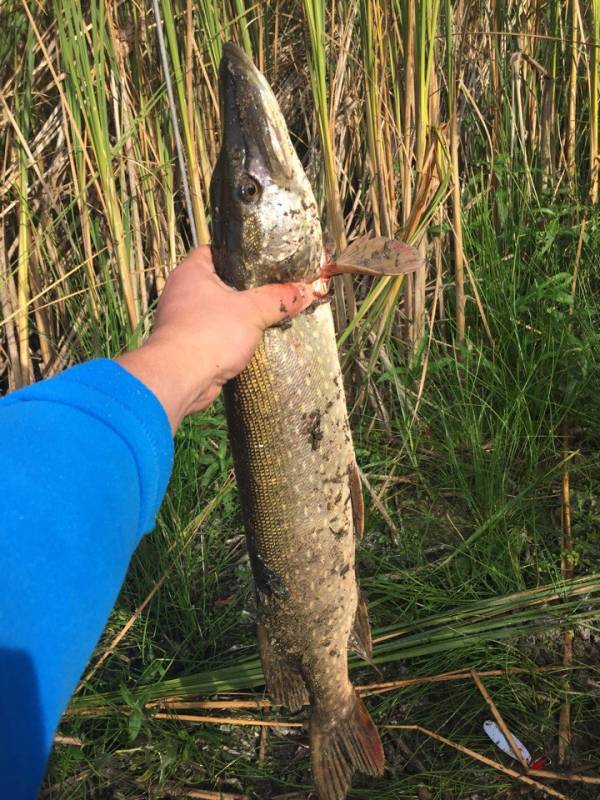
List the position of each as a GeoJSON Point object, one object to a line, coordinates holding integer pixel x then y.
{"type": "Point", "coordinates": [85, 461]}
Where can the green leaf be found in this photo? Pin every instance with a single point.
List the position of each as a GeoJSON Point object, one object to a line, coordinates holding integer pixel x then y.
{"type": "Point", "coordinates": [134, 724]}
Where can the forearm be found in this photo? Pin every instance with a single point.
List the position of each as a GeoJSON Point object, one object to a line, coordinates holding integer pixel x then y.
{"type": "Point", "coordinates": [182, 379]}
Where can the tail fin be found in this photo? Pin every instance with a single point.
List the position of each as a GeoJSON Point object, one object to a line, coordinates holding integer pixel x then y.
{"type": "Point", "coordinates": [341, 746]}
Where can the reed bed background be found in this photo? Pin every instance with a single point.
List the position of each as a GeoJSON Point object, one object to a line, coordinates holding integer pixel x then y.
{"type": "Point", "coordinates": [468, 128]}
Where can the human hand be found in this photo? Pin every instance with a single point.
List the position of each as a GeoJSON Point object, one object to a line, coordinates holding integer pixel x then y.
{"type": "Point", "coordinates": [205, 333]}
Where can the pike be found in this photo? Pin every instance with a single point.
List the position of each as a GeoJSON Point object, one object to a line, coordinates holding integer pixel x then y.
{"type": "Point", "coordinates": [295, 466]}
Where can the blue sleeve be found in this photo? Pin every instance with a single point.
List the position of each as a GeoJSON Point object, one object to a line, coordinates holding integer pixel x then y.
{"type": "Point", "coordinates": [85, 461]}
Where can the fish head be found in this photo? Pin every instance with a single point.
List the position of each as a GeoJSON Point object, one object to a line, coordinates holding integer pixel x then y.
{"type": "Point", "coordinates": [265, 221]}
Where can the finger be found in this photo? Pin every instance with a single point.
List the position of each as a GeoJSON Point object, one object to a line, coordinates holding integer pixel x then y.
{"type": "Point", "coordinates": [201, 257]}
{"type": "Point", "coordinates": [274, 302]}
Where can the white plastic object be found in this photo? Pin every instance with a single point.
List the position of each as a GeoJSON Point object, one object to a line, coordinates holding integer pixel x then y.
{"type": "Point", "coordinates": [499, 739]}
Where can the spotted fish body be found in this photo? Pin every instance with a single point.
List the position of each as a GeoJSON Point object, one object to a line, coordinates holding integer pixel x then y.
{"type": "Point", "coordinates": [295, 465]}
{"type": "Point", "coordinates": [288, 425]}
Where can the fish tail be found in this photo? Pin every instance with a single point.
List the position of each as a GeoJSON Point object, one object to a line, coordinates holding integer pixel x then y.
{"type": "Point", "coordinates": [341, 745]}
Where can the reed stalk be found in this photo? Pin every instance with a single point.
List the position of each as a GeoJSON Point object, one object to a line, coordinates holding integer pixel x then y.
{"type": "Point", "coordinates": [594, 100]}
{"type": "Point", "coordinates": [459, 257]}
{"type": "Point", "coordinates": [24, 238]}
{"type": "Point", "coordinates": [314, 11]}
{"type": "Point", "coordinates": [572, 98]}
{"type": "Point", "coordinates": [187, 121]}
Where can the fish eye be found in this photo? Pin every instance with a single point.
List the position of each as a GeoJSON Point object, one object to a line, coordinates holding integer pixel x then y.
{"type": "Point", "coordinates": [249, 189]}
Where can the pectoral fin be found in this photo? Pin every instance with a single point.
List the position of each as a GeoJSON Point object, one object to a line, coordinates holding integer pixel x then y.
{"type": "Point", "coordinates": [377, 256]}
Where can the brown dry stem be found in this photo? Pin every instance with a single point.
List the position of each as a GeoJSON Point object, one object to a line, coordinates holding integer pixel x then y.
{"type": "Point", "coordinates": [498, 717]}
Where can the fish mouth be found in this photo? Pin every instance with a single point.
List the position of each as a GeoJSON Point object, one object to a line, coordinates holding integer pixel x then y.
{"type": "Point", "coordinates": [254, 130]}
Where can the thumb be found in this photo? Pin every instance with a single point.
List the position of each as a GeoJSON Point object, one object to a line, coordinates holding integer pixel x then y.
{"type": "Point", "coordinates": [276, 301]}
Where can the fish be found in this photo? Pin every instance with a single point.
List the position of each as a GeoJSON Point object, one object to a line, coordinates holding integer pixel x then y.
{"type": "Point", "coordinates": [298, 481]}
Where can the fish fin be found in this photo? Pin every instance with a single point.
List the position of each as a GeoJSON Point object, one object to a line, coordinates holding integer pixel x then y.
{"type": "Point", "coordinates": [376, 256]}
{"type": "Point", "coordinates": [285, 685]}
{"type": "Point", "coordinates": [360, 636]}
{"type": "Point", "coordinates": [340, 746]}
{"type": "Point", "coordinates": [356, 497]}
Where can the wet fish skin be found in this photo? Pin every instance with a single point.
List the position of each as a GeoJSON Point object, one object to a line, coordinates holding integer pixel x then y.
{"type": "Point", "coordinates": [288, 426]}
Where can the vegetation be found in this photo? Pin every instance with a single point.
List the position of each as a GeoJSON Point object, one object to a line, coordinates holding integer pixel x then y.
{"type": "Point", "coordinates": [470, 129]}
